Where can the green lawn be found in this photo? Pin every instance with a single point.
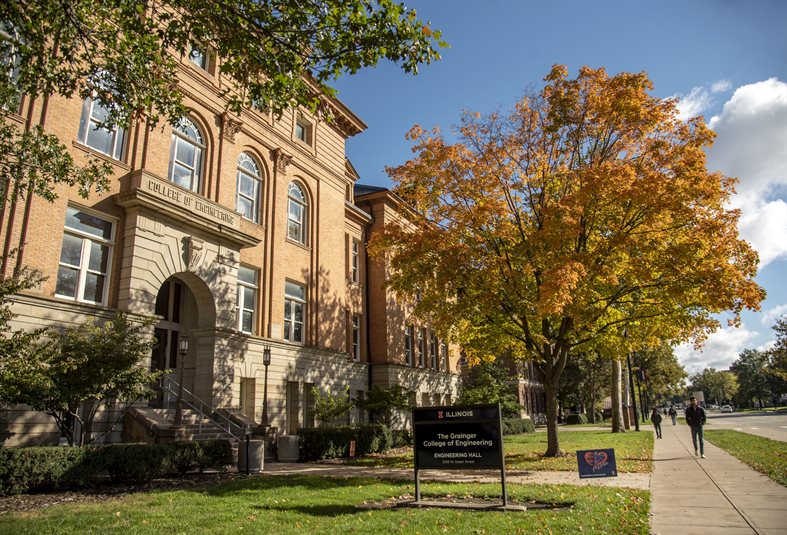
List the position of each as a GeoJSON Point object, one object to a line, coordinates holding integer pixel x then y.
{"type": "Point", "coordinates": [311, 504]}
{"type": "Point", "coordinates": [633, 451]}
{"type": "Point", "coordinates": [763, 454]}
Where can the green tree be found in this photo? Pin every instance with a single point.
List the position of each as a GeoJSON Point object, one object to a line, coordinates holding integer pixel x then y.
{"type": "Point", "coordinates": [82, 368]}
{"type": "Point", "coordinates": [754, 381]}
{"type": "Point", "coordinates": [716, 385]}
{"type": "Point", "coordinates": [777, 357]}
{"type": "Point", "coordinates": [585, 382]}
{"type": "Point", "coordinates": [586, 209]}
{"type": "Point", "coordinates": [490, 382]}
{"type": "Point", "coordinates": [329, 407]}
{"type": "Point", "coordinates": [382, 402]}
{"type": "Point", "coordinates": [665, 375]}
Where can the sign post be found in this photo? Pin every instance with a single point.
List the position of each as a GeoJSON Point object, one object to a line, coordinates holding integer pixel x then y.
{"type": "Point", "coordinates": [458, 438]}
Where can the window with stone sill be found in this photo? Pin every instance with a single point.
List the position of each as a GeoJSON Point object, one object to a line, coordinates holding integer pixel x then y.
{"type": "Point", "coordinates": [93, 133]}
{"type": "Point", "coordinates": [408, 344]}
{"type": "Point", "coordinates": [294, 312]}
{"type": "Point", "coordinates": [85, 257]}
{"type": "Point", "coordinates": [247, 299]}
{"type": "Point", "coordinates": [304, 131]}
{"type": "Point", "coordinates": [185, 160]}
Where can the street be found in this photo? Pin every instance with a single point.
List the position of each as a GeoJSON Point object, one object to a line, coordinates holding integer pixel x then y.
{"type": "Point", "coordinates": [770, 425]}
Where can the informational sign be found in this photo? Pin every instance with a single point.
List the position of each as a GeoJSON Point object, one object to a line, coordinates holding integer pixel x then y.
{"type": "Point", "coordinates": [597, 463]}
{"type": "Point", "coordinates": [458, 437]}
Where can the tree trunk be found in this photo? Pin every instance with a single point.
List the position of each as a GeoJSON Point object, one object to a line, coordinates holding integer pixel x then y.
{"type": "Point", "coordinates": [617, 406]}
{"type": "Point", "coordinates": [553, 443]}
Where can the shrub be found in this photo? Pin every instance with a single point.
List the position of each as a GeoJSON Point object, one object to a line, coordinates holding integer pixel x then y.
{"type": "Point", "coordinates": [329, 442]}
{"type": "Point", "coordinates": [516, 426]}
{"type": "Point", "coordinates": [402, 437]}
{"type": "Point", "coordinates": [576, 419]}
{"type": "Point", "coordinates": [48, 468]}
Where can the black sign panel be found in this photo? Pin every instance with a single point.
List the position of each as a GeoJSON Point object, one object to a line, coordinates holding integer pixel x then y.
{"type": "Point", "coordinates": [458, 437]}
{"type": "Point", "coordinates": [597, 463]}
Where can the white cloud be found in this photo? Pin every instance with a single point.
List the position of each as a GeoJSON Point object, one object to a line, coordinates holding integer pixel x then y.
{"type": "Point", "coordinates": [770, 316]}
{"type": "Point", "coordinates": [751, 144]}
{"type": "Point", "coordinates": [765, 228]}
{"type": "Point", "coordinates": [720, 350]}
{"type": "Point", "coordinates": [697, 101]}
{"type": "Point", "coordinates": [721, 86]}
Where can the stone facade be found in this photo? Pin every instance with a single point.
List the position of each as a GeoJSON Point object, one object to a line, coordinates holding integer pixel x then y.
{"type": "Point", "coordinates": [215, 254]}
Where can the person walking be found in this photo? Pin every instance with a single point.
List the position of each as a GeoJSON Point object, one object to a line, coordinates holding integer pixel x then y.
{"type": "Point", "coordinates": [655, 417]}
{"type": "Point", "coordinates": [695, 418]}
{"type": "Point", "coordinates": [673, 414]}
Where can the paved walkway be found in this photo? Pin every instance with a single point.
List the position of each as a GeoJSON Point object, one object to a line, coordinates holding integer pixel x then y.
{"type": "Point", "coordinates": [719, 495]}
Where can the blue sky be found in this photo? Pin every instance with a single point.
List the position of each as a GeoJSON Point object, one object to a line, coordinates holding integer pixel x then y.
{"type": "Point", "coordinates": [726, 60]}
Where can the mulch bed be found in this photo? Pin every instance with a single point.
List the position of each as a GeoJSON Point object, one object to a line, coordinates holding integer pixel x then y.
{"type": "Point", "coordinates": [101, 493]}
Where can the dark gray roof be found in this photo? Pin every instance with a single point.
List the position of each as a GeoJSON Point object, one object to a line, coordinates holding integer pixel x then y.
{"type": "Point", "coordinates": [363, 189]}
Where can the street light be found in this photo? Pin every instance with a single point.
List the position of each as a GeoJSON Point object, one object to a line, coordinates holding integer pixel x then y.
{"type": "Point", "coordinates": [266, 361]}
{"type": "Point", "coordinates": [183, 348]}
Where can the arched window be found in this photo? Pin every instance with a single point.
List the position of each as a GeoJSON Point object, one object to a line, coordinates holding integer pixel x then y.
{"type": "Point", "coordinates": [296, 213]}
{"type": "Point", "coordinates": [185, 160]}
{"type": "Point", "coordinates": [249, 186]}
{"type": "Point", "coordinates": [108, 141]}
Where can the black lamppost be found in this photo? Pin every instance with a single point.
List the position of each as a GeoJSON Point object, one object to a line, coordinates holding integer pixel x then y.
{"type": "Point", "coordinates": [183, 348]}
{"type": "Point", "coordinates": [266, 361]}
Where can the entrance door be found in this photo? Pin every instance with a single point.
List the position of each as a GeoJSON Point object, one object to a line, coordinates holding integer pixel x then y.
{"type": "Point", "coordinates": [169, 304]}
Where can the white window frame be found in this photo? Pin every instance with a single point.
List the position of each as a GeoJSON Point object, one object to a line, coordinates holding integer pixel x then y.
{"type": "Point", "coordinates": [356, 337]}
{"type": "Point", "coordinates": [294, 302]}
{"type": "Point", "coordinates": [83, 269]}
{"type": "Point", "coordinates": [408, 344]}
{"type": "Point", "coordinates": [296, 197]}
{"type": "Point", "coordinates": [242, 305]}
{"type": "Point", "coordinates": [444, 355]}
{"type": "Point", "coordinates": [421, 348]}
{"type": "Point", "coordinates": [433, 351]}
{"type": "Point", "coordinates": [88, 124]}
{"type": "Point", "coordinates": [254, 175]}
{"type": "Point", "coordinates": [355, 249]}
{"type": "Point", "coordinates": [304, 130]}
{"type": "Point", "coordinates": [200, 58]}
{"type": "Point", "coordinates": [180, 135]}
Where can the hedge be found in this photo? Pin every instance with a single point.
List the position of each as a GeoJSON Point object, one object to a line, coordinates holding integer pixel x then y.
{"type": "Point", "coordinates": [576, 419]}
{"type": "Point", "coordinates": [516, 426]}
{"type": "Point", "coordinates": [329, 442]}
{"type": "Point", "coordinates": [53, 468]}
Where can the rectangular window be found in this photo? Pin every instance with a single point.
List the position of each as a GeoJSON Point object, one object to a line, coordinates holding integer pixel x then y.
{"type": "Point", "coordinates": [92, 133]}
{"type": "Point", "coordinates": [199, 58]}
{"type": "Point", "coordinates": [294, 312]}
{"type": "Point", "coordinates": [408, 344]}
{"type": "Point", "coordinates": [356, 349]}
{"type": "Point", "coordinates": [444, 355]}
{"type": "Point", "coordinates": [354, 260]}
{"type": "Point", "coordinates": [247, 299]}
{"type": "Point", "coordinates": [85, 257]}
{"type": "Point", "coordinates": [303, 130]}
{"type": "Point", "coordinates": [433, 351]}
{"type": "Point", "coordinates": [421, 349]}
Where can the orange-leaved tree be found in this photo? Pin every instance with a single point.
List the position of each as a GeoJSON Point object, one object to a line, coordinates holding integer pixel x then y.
{"type": "Point", "coordinates": [586, 209]}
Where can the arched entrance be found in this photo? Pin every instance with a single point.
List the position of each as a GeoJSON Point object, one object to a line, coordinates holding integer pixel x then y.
{"type": "Point", "coordinates": [180, 311]}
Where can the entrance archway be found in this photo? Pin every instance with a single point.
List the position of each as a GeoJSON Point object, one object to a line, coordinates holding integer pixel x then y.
{"type": "Point", "coordinates": [181, 308]}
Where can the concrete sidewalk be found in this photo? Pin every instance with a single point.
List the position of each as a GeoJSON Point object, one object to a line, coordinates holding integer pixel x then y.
{"type": "Point", "coordinates": [719, 495]}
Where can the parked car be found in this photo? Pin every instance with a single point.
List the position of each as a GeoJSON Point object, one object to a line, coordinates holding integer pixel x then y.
{"type": "Point", "coordinates": [726, 408]}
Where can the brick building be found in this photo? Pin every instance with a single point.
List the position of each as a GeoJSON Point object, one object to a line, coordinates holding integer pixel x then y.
{"type": "Point", "coordinates": [239, 233]}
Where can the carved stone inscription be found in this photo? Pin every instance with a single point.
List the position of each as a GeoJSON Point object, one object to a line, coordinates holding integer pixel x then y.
{"type": "Point", "coordinates": [189, 201]}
